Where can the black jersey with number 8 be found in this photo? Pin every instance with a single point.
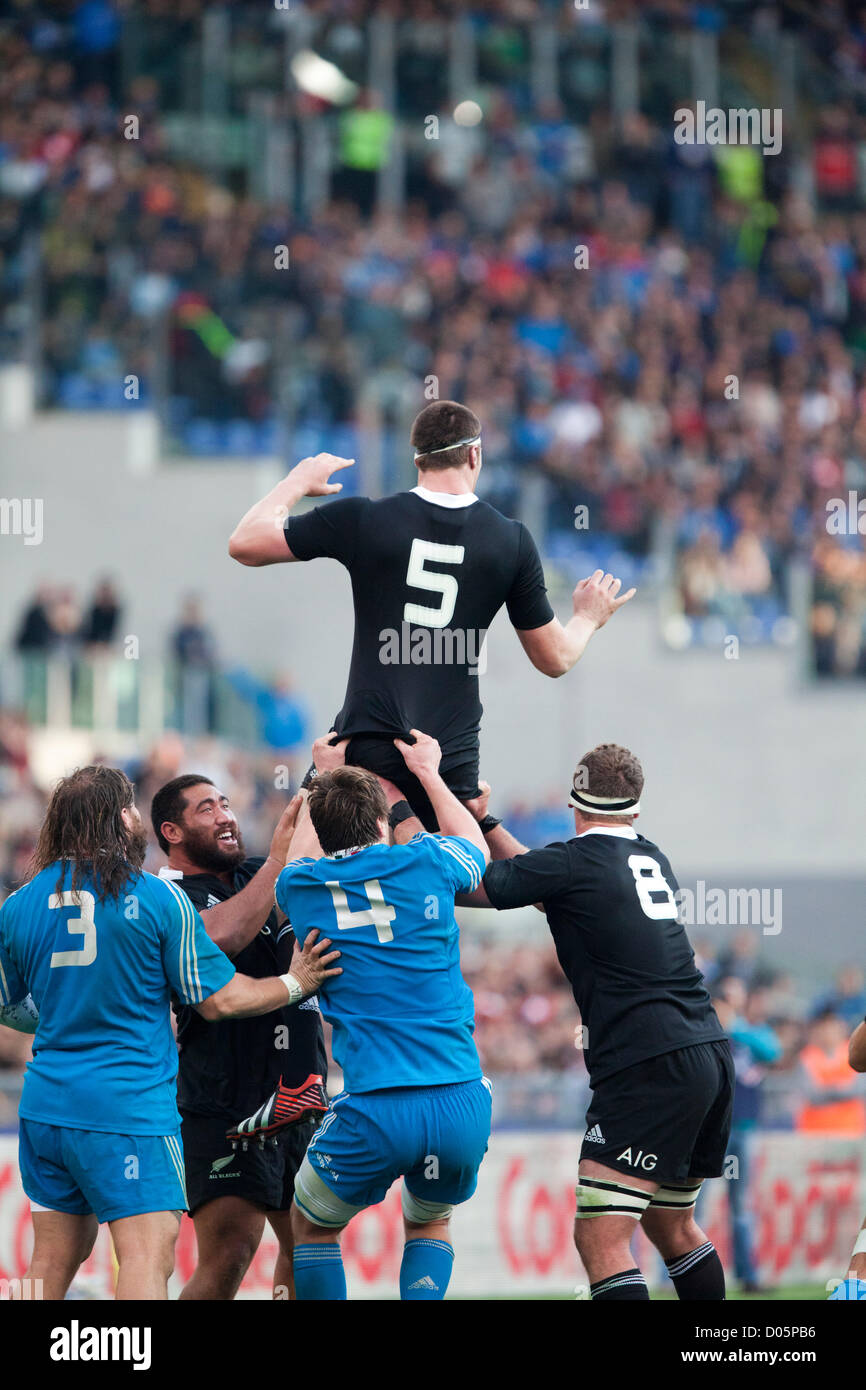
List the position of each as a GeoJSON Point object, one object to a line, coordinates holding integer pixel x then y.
{"type": "Point", "coordinates": [610, 900]}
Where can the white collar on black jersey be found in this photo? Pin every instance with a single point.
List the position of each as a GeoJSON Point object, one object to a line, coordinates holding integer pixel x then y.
{"type": "Point", "coordinates": [625, 832]}
{"type": "Point", "coordinates": [168, 872]}
{"type": "Point", "coordinates": [445, 499]}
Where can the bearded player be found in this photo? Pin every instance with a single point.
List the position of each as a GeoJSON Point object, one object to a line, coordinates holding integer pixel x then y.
{"type": "Point", "coordinates": [224, 1067]}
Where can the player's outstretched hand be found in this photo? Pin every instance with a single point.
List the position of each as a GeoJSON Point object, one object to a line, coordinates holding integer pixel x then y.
{"type": "Point", "coordinates": [312, 966]}
{"type": "Point", "coordinates": [421, 757]}
{"type": "Point", "coordinates": [328, 755]}
{"type": "Point", "coordinates": [596, 597]}
{"type": "Point", "coordinates": [314, 473]}
{"type": "Point", "coordinates": [479, 804]}
{"type": "Point", "coordinates": [285, 829]}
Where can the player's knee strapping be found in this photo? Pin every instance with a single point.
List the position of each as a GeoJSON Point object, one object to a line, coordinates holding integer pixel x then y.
{"type": "Point", "coordinates": [599, 1197]}
{"type": "Point", "coordinates": [318, 1203]}
{"type": "Point", "coordinates": [421, 1213]}
{"type": "Point", "coordinates": [676, 1198]}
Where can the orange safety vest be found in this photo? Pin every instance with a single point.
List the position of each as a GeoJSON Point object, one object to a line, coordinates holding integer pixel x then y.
{"type": "Point", "coordinates": [831, 1073]}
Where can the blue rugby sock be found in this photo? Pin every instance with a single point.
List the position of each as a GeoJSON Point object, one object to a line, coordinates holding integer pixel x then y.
{"type": "Point", "coordinates": [426, 1269]}
{"type": "Point", "coordinates": [319, 1273]}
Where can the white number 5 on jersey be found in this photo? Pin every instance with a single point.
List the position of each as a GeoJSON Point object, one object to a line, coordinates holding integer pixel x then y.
{"type": "Point", "coordinates": [379, 914]}
{"type": "Point", "coordinates": [445, 585]}
{"type": "Point", "coordinates": [84, 926]}
{"type": "Point", "coordinates": [649, 880]}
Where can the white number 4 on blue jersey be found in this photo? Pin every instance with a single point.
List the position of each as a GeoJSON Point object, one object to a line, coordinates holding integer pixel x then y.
{"type": "Point", "coordinates": [379, 914]}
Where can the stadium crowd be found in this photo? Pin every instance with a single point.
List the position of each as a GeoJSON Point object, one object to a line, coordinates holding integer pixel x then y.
{"type": "Point", "coordinates": [698, 375]}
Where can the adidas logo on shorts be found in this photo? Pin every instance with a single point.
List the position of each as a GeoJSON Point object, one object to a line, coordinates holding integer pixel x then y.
{"type": "Point", "coordinates": [594, 1135]}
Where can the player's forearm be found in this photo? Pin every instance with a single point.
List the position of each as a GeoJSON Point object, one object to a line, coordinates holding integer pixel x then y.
{"type": "Point", "coordinates": [232, 925]}
{"type": "Point", "coordinates": [502, 844]}
{"type": "Point", "coordinates": [452, 815]}
{"type": "Point", "coordinates": [258, 536]}
{"type": "Point", "coordinates": [403, 832]}
{"type": "Point", "coordinates": [574, 640]}
{"type": "Point", "coordinates": [407, 829]}
{"type": "Point", "coordinates": [245, 997]}
{"type": "Point", "coordinates": [305, 841]}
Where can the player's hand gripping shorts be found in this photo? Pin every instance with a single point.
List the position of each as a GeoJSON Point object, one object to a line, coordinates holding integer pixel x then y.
{"type": "Point", "coordinates": [433, 1137]}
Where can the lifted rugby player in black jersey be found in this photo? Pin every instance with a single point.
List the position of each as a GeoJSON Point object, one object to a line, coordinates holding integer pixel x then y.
{"type": "Point", "coordinates": [225, 1068]}
{"type": "Point", "coordinates": [430, 569]}
{"type": "Point", "coordinates": [659, 1064]}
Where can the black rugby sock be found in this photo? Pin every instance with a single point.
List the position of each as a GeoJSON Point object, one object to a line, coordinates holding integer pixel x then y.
{"type": "Point", "coordinates": [628, 1285]}
{"type": "Point", "coordinates": [698, 1276]}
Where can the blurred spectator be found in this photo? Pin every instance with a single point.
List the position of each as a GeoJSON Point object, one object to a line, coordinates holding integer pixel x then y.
{"type": "Point", "coordinates": [65, 615]}
{"type": "Point", "coordinates": [847, 998]}
{"type": "Point", "coordinates": [194, 650]}
{"type": "Point", "coordinates": [36, 630]}
{"type": "Point", "coordinates": [103, 616]}
{"type": "Point", "coordinates": [283, 716]}
{"type": "Point", "coordinates": [51, 623]}
{"type": "Point", "coordinates": [838, 617]}
{"type": "Point", "coordinates": [755, 1047]}
{"type": "Point", "coordinates": [833, 1104]}
{"type": "Point", "coordinates": [192, 642]}
{"type": "Point", "coordinates": [741, 959]}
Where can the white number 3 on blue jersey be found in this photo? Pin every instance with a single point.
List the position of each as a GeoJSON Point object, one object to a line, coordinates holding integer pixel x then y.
{"type": "Point", "coordinates": [85, 926]}
{"type": "Point", "coordinates": [379, 914]}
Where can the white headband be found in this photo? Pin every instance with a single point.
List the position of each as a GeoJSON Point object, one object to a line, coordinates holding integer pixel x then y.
{"type": "Point", "coordinates": [475, 439]}
{"type": "Point", "coordinates": [604, 805]}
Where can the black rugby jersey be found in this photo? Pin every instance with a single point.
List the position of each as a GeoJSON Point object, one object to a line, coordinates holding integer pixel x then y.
{"type": "Point", "coordinates": [227, 1069]}
{"type": "Point", "coordinates": [609, 900]}
{"type": "Point", "coordinates": [428, 578]}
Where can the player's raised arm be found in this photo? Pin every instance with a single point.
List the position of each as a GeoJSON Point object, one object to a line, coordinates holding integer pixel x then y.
{"type": "Point", "coordinates": [259, 537]}
{"type": "Point", "coordinates": [554, 649]}
{"type": "Point", "coordinates": [236, 922]}
{"type": "Point", "coordinates": [402, 819]}
{"type": "Point", "coordinates": [422, 758]}
{"type": "Point", "coordinates": [500, 841]}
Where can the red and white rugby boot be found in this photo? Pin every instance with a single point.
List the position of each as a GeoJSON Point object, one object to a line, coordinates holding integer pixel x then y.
{"type": "Point", "coordinates": [287, 1106]}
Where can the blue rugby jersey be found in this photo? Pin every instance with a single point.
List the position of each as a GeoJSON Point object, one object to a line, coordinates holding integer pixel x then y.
{"type": "Point", "coordinates": [401, 1011]}
{"type": "Point", "coordinates": [101, 976]}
